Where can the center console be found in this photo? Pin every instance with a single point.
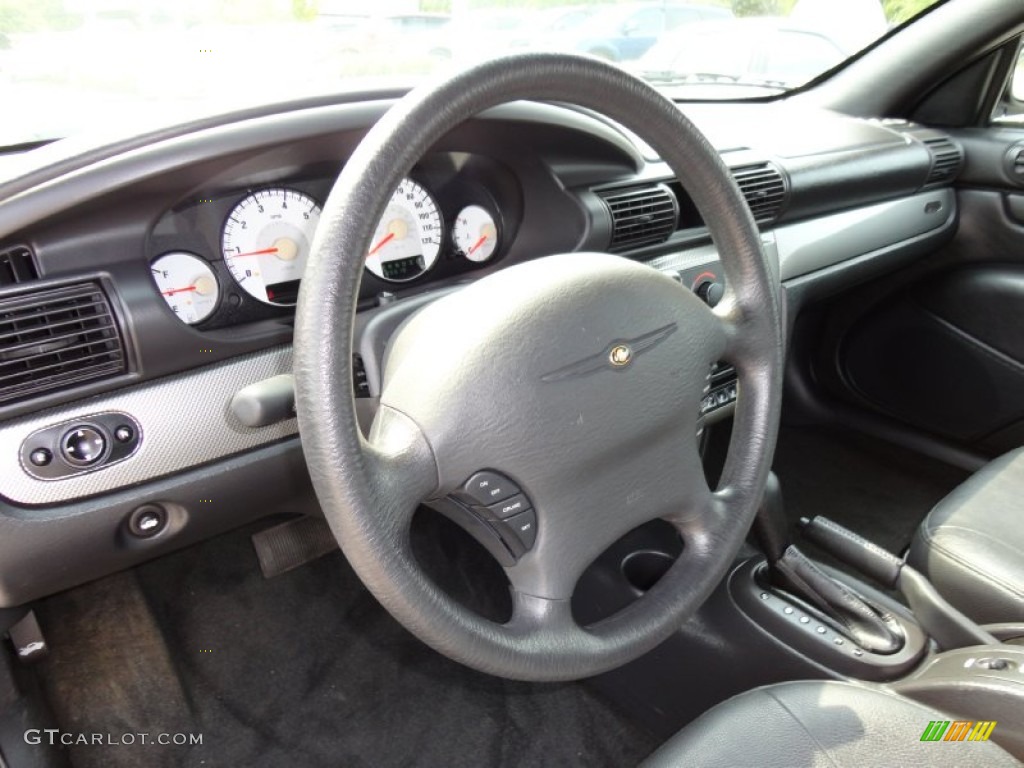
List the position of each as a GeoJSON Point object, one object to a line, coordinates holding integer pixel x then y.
{"type": "Point", "coordinates": [813, 634]}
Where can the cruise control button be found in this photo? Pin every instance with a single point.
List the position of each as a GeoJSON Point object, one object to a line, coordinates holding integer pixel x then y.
{"type": "Point", "coordinates": [83, 446]}
{"type": "Point", "coordinates": [505, 509]}
{"type": "Point", "coordinates": [486, 488]}
{"type": "Point", "coordinates": [524, 526]}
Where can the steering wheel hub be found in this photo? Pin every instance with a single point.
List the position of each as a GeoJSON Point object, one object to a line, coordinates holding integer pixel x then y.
{"type": "Point", "coordinates": [515, 373]}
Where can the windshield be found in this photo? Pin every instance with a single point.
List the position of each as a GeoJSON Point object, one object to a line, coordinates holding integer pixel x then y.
{"type": "Point", "coordinates": [71, 66]}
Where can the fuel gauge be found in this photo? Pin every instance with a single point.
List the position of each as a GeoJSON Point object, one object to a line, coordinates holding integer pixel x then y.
{"type": "Point", "coordinates": [475, 233]}
{"type": "Point", "coordinates": [188, 285]}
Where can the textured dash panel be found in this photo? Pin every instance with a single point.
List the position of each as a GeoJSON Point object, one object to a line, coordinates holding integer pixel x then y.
{"type": "Point", "coordinates": [186, 421]}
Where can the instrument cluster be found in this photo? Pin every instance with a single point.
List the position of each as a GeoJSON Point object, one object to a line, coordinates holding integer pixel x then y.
{"type": "Point", "coordinates": [239, 256]}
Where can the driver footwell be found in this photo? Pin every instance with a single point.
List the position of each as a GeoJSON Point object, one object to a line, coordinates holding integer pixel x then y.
{"type": "Point", "coordinates": [305, 669]}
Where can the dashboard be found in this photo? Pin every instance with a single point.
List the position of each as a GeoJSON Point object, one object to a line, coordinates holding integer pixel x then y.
{"type": "Point", "coordinates": [147, 287]}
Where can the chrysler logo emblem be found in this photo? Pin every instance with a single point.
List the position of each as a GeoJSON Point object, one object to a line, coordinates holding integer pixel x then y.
{"type": "Point", "coordinates": [620, 355]}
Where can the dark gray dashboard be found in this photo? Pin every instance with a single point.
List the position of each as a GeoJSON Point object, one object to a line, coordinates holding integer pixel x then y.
{"type": "Point", "coordinates": [838, 199]}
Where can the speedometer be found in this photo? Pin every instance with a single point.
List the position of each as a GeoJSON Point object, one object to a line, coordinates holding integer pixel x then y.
{"type": "Point", "coordinates": [408, 237]}
{"type": "Point", "coordinates": [266, 242]}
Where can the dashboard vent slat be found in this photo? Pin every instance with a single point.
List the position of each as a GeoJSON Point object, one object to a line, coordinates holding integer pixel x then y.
{"type": "Point", "coordinates": [764, 189]}
{"type": "Point", "coordinates": [17, 265]}
{"type": "Point", "coordinates": [56, 338]}
{"type": "Point", "coordinates": [645, 215]}
{"type": "Point", "coordinates": [947, 157]}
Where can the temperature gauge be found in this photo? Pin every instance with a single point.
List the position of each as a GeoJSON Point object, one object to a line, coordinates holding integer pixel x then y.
{"type": "Point", "coordinates": [475, 233]}
{"type": "Point", "coordinates": [187, 284]}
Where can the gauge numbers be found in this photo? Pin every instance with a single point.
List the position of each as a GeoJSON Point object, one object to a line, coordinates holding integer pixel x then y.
{"type": "Point", "coordinates": [266, 242]}
{"type": "Point", "coordinates": [475, 234]}
{"type": "Point", "coordinates": [187, 284]}
{"type": "Point", "coordinates": [408, 237]}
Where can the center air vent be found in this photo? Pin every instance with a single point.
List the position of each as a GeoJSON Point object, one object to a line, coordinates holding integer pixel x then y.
{"type": "Point", "coordinates": [640, 215]}
{"type": "Point", "coordinates": [17, 266]}
{"type": "Point", "coordinates": [764, 190]}
{"type": "Point", "coordinates": [56, 338]}
{"type": "Point", "coordinates": [946, 160]}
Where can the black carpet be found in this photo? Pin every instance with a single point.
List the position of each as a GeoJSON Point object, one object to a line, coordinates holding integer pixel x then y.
{"type": "Point", "coordinates": [302, 670]}
{"type": "Point", "coordinates": [874, 488]}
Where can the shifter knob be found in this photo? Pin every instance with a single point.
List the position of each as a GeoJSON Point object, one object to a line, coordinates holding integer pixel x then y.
{"type": "Point", "coordinates": [770, 526]}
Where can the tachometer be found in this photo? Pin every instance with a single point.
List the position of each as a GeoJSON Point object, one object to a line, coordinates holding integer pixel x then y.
{"type": "Point", "coordinates": [188, 285]}
{"type": "Point", "coordinates": [408, 237]}
{"type": "Point", "coordinates": [266, 241]}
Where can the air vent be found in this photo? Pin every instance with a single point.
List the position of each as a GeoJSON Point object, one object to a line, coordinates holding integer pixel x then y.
{"type": "Point", "coordinates": [56, 338]}
{"type": "Point", "coordinates": [640, 216]}
{"type": "Point", "coordinates": [17, 266]}
{"type": "Point", "coordinates": [946, 160]}
{"type": "Point", "coordinates": [764, 189]}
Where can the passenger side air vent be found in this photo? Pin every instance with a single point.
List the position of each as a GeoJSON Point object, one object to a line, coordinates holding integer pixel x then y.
{"type": "Point", "coordinates": [56, 338]}
{"type": "Point", "coordinates": [764, 189]}
{"type": "Point", "coordinates": [947, 158]}
{"type": "Point", "coordinates": [640, 215]}
{"type": "Point", "coordinates": [17, 266]}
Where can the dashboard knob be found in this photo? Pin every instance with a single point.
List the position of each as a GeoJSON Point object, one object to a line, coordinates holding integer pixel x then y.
{"type": "Point", "coordinates": [710, 292]}
{"type": "Point", "coordinates": [83, 446]}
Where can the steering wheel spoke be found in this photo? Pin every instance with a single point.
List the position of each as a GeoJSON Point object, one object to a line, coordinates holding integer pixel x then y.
{"type": "Point", "coordinates": [400, 468]}
{"type": "Point", "coordinates": [579, 518]}
{"type": "Point", "coordinates": [532, 615]}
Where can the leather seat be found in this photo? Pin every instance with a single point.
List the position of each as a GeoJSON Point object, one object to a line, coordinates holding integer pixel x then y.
{"type": "Point", "coordinates": [971, 545]}
{"type": "Point", "coordinates": [814, 723]}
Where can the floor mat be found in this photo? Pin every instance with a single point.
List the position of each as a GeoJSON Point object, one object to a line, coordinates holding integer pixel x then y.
{"type": "Point", "coordinates": [305, 669]}
{"type": "Point", "coordinates": [876, 489]}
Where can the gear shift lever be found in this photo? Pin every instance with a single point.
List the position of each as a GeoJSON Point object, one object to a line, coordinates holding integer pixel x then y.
{"type": "Point", "coordinates": [770, 526]}
{"type": "Point", "coordinates": [791, 571]}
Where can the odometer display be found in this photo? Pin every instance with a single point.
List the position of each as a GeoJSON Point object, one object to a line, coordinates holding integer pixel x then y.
{"type": "Point", "coordinates": [408, 237]}
{"type": "Point", "coordinates": [403, 269]}
{"type": "Point", "coordinates": [266, 243]}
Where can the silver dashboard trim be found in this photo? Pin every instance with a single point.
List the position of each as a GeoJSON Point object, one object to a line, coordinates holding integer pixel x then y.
{"type": "Point", "coordinates": [814, 244]}
{"type": "Point", "coordinates": [186, 421]}
{"type": "Point", "coordinates": [804, 247]}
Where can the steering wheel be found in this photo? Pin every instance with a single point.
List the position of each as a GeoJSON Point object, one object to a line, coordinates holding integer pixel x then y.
{"type": "Point", "coordinates": [579, 376]}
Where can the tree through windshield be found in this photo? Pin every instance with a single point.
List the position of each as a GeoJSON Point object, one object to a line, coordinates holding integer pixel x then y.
{"type": "Point", "coordinates": [71, 66]}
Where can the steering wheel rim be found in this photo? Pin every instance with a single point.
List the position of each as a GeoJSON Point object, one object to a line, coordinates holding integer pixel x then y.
{"type": "Point", "coordinates": [369, 488]}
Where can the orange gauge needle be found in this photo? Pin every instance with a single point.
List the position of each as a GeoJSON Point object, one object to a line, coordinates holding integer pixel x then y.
{"type": "Point", "coordinates": [383, 241]}
{"type": "Point", "coordinates": [476, 245]}
{"type": "Point", "coordinates": [256, 253]}
{"type": "Point", "coordinates": [179, 290]}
